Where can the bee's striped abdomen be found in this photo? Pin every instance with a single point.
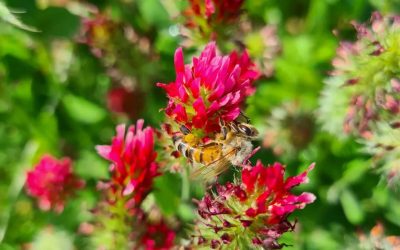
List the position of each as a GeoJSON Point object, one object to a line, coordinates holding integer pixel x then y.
{"type": "Point", "coordinates": [179, 144]}
{"type": "Point", "coordinates": [203, 154]}
{"type": "Point", "coordinates": [208, 153]}
{"type": "Point", "coordinates": [182, 147]}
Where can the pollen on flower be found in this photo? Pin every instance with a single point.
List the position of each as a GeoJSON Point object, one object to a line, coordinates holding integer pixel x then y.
{"type": "Point", "coordinates": [52, 182]}
{"type": "Point", "coordinates": [210, 88]}
{"type": "Point", "coordinates": [254, 211]}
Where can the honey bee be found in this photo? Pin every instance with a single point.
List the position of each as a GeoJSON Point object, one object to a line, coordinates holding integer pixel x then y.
{"type": "Point", "coordinates": [230, 147]}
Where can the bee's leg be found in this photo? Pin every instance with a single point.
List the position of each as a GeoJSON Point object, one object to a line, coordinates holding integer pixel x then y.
{"type": "Point", "coordinates": [185, 130]}
{"type": "Point", "coordinates": [221, 122]}
{"type": "Point", "coordinates": [224, 128]}
{"type": "Point", "coordinates": [224, 131]}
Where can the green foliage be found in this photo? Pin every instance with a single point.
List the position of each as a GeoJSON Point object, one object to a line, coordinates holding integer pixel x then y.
{"type": "Point", "coordinates": [7, 15]}
{"type": "Point", "coordinates": [53, 99]}
{"type": "Point", "coordinates": [167, 193]}
{"type": "Point", "coordinates": [82, 110]}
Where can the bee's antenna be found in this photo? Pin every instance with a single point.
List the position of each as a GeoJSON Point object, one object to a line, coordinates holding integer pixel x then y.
{"type": "Point", "coordinates": [245, 117]}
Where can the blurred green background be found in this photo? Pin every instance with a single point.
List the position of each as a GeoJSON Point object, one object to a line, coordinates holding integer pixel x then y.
{"type": "Point", "coordinates": [64, 87]}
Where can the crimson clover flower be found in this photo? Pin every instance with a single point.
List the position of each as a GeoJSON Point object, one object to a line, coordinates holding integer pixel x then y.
{"type": "Point", "coordinates": [212, 87]}
{"type": "Point", "coordinates": [211, 17]}
{"type": "Point", "coordinates": [52, 182]}
{"type": "Point", "coordinates": [364, 87]}
{"type": "Point", "coordinates": [253, 212]}
{"type": "Point", "coordinates": [133, 164]}
{"type": "Point", "coordinates": [120, 221]}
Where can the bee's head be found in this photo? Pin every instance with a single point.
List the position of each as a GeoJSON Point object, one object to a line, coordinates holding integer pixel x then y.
{"type": "Point", "coordinates": [246, 130]}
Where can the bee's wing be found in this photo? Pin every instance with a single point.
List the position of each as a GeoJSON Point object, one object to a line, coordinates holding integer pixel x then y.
{"type": "Point", "coordinates": [207, 145]}
{"type": "Point", "coordinates": [210, 171]}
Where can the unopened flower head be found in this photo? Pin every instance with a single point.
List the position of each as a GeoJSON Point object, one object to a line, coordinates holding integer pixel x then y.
{"type": "Point", "coordinates": [364, 86]}
{"type": "Point", "coordinates": [212, 87]}
{"type": "Point", "coordinates": [133, 164]}
{"type": "Point", "coordinates": [253, 212]}
{"type": "Point", "coordinates": [52, 182]}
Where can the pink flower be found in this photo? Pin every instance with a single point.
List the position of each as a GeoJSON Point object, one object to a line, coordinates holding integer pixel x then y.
{"type": "Point", "coordinates": [213, 86]}
{"type": "Point", "coordinates": [52, 182]}
{"type": "Point", "coordinates": [254, 212]}
{"type": "Point", "coordinates": [273, 192]}
{"type": "Point", "coordinates": [133, 165]}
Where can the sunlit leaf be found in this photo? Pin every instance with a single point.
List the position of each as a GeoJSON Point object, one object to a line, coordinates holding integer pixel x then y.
{"type": "Point", "coordinates": [351, 207]}
{"type": "Point", "coordinates": [57, 22]}
{"type": "Point", "coordinates": [7, 15]}
{"type": "Point", "coordinates": [166, 193]}
{"type": "Point", "coordinates": [83, 110]}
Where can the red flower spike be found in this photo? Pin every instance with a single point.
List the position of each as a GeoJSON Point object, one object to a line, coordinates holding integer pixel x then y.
{"type": "Point", "coordinates": [213, 86]}
{"type": "Point", "coordinates": [52, 182]}
{"type": "Point", "coordinates": [255, 210]}
{"type": "Point", "coordinates": [133, 165]}
{"type": "Point", "coordinates": [269, 183]}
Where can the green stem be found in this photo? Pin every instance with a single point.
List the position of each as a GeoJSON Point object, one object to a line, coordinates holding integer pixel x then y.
{"type": "Point", "coordinates": [185, 195]}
